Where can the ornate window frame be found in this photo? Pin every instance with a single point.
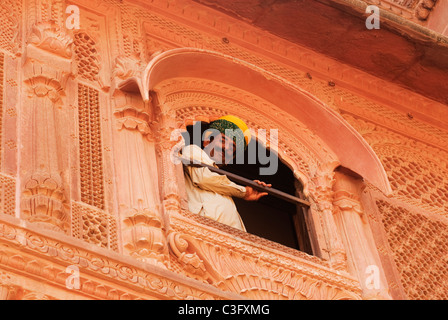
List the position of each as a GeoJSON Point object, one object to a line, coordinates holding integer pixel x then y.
{"type": "Point", "coordinates": [186, 85]}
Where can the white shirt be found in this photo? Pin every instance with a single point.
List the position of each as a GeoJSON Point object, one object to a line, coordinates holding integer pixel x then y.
{"type": "Point", "coordinates": [209, 193]}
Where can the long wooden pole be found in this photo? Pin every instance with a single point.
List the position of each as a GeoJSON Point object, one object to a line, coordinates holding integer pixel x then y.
{"type": "Point", "coordinates": [247, 182]}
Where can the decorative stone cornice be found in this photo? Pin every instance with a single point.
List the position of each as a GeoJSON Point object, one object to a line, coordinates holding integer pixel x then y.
{"type": "Point", "coordinates": [299, 60]}
{"type": "Point", "coordinates": [103, 273]}
{"type": "Point", "coordinates": [252, 269]}
{"type": "Point", "coordinates": [419, 9]}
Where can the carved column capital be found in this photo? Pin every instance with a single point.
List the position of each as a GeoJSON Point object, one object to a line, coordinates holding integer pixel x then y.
{"type": "Point", "coordinates": [49, 55]}
{"type": "Point", "coordinates": [346, 201]}
{"type": "Point", "coordinates": [128, 117]}
{"type": "Point", "coordinates": [49, 61]}
{"type": "Point", "coordinates": [43, 200]}
{"type": "Point", "coordinates": [132, 113]}
{"type": "Point", "coordinates": [347, 195]}
{"type": "Point", "coordinates": [321, 188]}
{"type": "Point", "coordinates": [44, 86]}
{"type": "Point", "coordinates": [126, 68]}
{"type": "Point", "coordinates": [144, 235]}
{"type": "Point", "coordinates": [49, 37]}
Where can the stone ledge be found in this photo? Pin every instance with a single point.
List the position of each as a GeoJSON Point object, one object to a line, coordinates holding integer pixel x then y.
{"type": "Point", "coordinates": [271, 260]}
{"type": "Point", "coordinates": [33, 253]}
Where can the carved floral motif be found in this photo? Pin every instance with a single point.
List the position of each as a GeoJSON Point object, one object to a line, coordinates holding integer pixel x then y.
{"type": "Point", "coordinates": [42, 87]}
{"type": "Point", "coordinates": [43, 201]}
{"type": "Point", "coordinates": [144, 237]}
{"type": "Point", "coordinates": [49, 37]}
{"type": "Point", "coordinates": [130, 118]}
{"type": "Point", "coordinates": [186, 250]}
{"type": "Point", "coordinates": [127, 67]}
{"type": "Point", "coordinates": [248, 269]}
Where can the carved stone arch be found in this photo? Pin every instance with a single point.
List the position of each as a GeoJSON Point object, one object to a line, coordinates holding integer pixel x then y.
{"type": "Point", "coordinates": [287, 155]}
{"type": "Point", "coordinates": [348, 147]}
{"type": "Point", "coordinates": [186, 84]}
{"type": "Point", "coordinates": [190, 104]}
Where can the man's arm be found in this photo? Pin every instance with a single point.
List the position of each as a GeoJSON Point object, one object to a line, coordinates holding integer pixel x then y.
{"type": "Point", "coordinates": [205, 179]}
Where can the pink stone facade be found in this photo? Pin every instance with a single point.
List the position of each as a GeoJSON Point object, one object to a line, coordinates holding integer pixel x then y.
{"type": "Point", "coordinates": [92, 205]}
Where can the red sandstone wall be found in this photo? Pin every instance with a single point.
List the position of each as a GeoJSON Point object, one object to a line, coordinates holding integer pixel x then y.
{"type": "Point", "coordinates": [96, 125]}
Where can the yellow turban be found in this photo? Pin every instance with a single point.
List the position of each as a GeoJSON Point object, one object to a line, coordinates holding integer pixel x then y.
{"type": "Point", "coordinates": [241, 132]}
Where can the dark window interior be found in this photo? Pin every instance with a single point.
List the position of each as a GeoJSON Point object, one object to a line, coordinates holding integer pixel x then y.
{"type": "Point", "coordinates": [270, 217]}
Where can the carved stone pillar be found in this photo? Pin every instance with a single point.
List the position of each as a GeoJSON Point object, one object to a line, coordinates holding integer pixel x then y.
{"type": "Point", "coordinates": [170, 189]}
{"type": "Point", "coordinates": [331, 245]}
{"type": "Point", "coordinates": [169, 171]}
{"type": "Point", "coordinates": [47, 68]}
{"type": "Point", "coordinates": [137, 176]}
{"type": "Point", "coordinates": [363, 259]}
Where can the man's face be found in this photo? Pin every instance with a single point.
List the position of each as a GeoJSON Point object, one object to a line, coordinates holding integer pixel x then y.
{"type": "Point", "coordinates": [221, 149]}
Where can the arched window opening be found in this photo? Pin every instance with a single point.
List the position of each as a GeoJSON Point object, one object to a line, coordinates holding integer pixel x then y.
{"type": "Point", "coordinates": [270, 217]}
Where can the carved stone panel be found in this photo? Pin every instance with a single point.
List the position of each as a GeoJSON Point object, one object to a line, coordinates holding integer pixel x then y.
{"type": "Point", "coordinates": [418, 245]}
